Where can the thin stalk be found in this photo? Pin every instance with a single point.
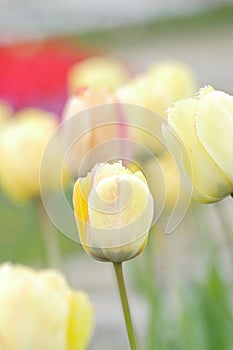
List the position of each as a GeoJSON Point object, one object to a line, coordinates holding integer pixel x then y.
{"type": "Point", "coordinates": [125, 304]}
{"type": "Point", "coordinates": [226, 228]}
{"type": "Point", "coordinates": [152, 293]}
{"type": "Point", "coordinates": [50, 238]}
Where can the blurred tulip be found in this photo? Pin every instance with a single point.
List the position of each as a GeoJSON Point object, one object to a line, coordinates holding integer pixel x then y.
{"type": "Point", "coordinates": [163, 84]}
{"type": "Point", "coordinates": [156, 90]}
{"type": "Point", "coordinates": [135, 91]}
{"type": "Point", "coordinates": [91, 128]}
{"type": "Point", "coordinates": [170, 81]}
{"type": "Point", "coordinates": [85, 98]}
{"type": "Point", "coordinates": [5, 111]}
{"type": "Point", "coordinates": [39, 311]}
{"type": "Point", "coordinates": [113, 210]}
{"type": "Point", "coordinates": [97, 73]}
{"type": "Point", "coordinates": [204, 127]}
{"type": "Point", "coordinates": [164, 180]}
{"type": "Point", "coordinates": [22, 143]}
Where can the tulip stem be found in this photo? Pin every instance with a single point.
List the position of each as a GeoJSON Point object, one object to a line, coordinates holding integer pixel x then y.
{"type": "Point", "coordinates": [50, 239]}
{"type": "Point", "coordinates": [125, 304]}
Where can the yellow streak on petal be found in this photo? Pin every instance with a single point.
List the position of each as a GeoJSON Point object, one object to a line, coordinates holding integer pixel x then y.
{"type": "Point", "coordinates": [80, 202]}
{"type": "Point", "coordinates": [80, 322]}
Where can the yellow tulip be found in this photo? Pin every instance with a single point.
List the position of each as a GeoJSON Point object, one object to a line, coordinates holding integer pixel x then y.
{"type": "Point", "coordinates": [97, 73]}
{"type": "Point", "coordinates": [164, 180]}
{"type": "Point", "coordinates": [163, 84]}
{"type": "Point", "coordinates": [39, 311]}
{"type": "Point", "coordinates": [156, 90]}
{"type": "Point", "coordinates": [204, 126]}
{"type": "Point", "coordinates": [113, 209]}
{"type": "Point", "coordinates": [135, 91]}
{"type": "Point", "coordinates": [170, 81]}
{"type": "Point", "coordinates": [5, 112]}
{"type": "Point", "coordinates": [22, 143]}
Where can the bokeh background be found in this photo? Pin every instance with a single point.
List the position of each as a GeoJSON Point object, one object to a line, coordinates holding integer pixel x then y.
{"type": "Point", "coordinates": [181, 287]}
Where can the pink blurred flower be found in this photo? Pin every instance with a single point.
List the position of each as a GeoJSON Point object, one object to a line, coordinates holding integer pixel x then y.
{"type": "Point", "coordinates": [35, 74]}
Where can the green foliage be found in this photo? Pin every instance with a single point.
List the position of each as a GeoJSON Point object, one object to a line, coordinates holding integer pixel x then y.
{"type": "Point", "coordinates": [201, 317]}
{"type": "Point", "coordinates": [160, 27]}
{"type": "Point", "coordinates": [20, 234]}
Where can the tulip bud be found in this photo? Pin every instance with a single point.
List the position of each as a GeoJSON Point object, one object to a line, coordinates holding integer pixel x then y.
{"type": "Point", "coordinates": [22, 143]}
{"type": "Point", "coordinates": [40, 312]}
{"type": "Point", "coordinates": [204, 127]}
{"type": "Point", "coordinates": [97, 73]}
{"type": "Point", "coordinates": [113, 210]}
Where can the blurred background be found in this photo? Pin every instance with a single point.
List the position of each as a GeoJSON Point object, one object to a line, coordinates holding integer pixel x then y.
{"type": "Point", "coordinates": [181, 287]}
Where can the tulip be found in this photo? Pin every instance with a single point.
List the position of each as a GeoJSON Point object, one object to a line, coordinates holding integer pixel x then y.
{"type": "Point", "coordinates": [91, 127]}
{"type": "Point", "coordinates": [204, 127]}
{"type": "Point", "coordinates": [170, 81]}
{"type": "Point", "coordinates": [97, 73]}
{"type": "Point", "coordinates": [85, 98]}
{"type": "Point", "coordinates": [156, 90]}
{"type": "Point", "coordinates": [22, 143]}
{"type": "Point", "coordinates": [167, 186]}
{"type": "Point", "coordinates": [39, 311]}
{"type": "Point", "coordinates": [5, 112]}
{"type": "Point", "coordinates": [163, 84]}
{"type": "Point", "coordinates": [113, 209]}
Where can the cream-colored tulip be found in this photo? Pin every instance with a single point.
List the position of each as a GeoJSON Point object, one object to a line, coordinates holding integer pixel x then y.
{"type": "Point", "coordinates": [156, 90]}
{"type": "Point", "coordinates": [164, 181]}
{"type": "Point", "coordinates": [22, 143]}
{"type": "Point", "coordinates": [39, 311]}
{"type": "Point", "coordinates": [163, 84]}
{"type": "Point", "coordinates": [146, 130]}
{"type": "Point", "coordinates": [204, 127]}
{"type": "Point", "coordinates": [90, 128]}
{"type": "Point", "coordinates": [113, 209]}
{"type": "Point", "coordinates": [85, 98]}
{"type": "Point", "coordinates": [170, 81]}
{"type": "Point", "coordinates": [97, 73]}
{"type": "Point", "coordinates": [5, 112]}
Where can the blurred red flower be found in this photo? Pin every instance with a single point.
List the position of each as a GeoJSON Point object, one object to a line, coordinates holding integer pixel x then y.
{"type": "Point", "coordinates": [34, 74]}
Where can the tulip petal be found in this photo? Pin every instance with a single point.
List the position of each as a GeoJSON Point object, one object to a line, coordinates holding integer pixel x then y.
{"type": "Point", "coordinates": [120, 211]}
{"type": "Point", "coordinates": [80, 202]}
{"type": "Point", "coordinates": [205, 173]}
{"type": "Point", "coordinates": [80, 322]}
{"type": "Point", "coordinates": [214, 122]}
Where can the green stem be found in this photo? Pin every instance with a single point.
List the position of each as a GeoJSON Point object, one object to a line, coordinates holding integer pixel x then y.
{"type": "Point", "coordinates": [50, 239]}
{"type": "Point", "coordinates": [125, 304]}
